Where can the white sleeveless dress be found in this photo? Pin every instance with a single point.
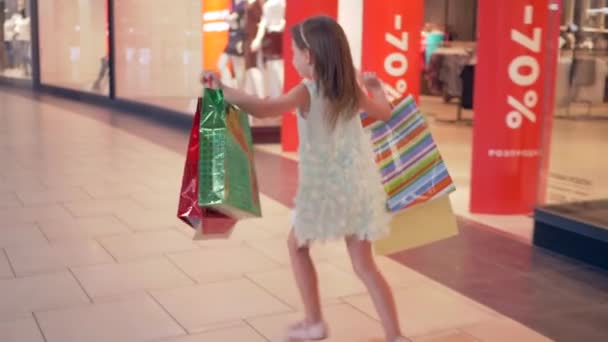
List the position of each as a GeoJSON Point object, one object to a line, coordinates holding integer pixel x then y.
{"type": "Point", "coordinates": [340, 193]}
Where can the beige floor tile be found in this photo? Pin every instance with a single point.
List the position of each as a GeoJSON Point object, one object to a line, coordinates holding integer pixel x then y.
{"type": "Point", "coordinates": [5, 267]}
{"type": "Point", "coordinates": [345, 322]}
{"type": "Point", "coordinates": [9, 200]}
{"type": "Point", "coordinates": [449, 336]}
{"type": "Point", "coordinates": [23, 295]}
{"type": "Point", "coordinates": [134, 246]}
{"type": "Point", "coordinates": [271, 207]}
{"type": "Point", "coordinates": [331, 250]}
{"type": "Point", "coordinates": [148, 219]}
{"type": "Point", "coordinates": [37, 213]}
{"type": "Point", "coordinates": [247, 230]}
{"type": "Point", "coordinates": [20, 234]}
{"type": "Point", "coordinates": [216, 243]}
{"type": "Point", "coordinates": [56, 256]}
{"type": "Point", "coordinates": [276, 249]}
{"type": "Point", "coordinates": [504, 330]}
{"type": "Point", "coordinates": [21, 184]}
{"type": "Point", "coordinates": [53, 195]}
{"type": "Point", "coordinates": [20, 330]}
{"type": "Point", "coordinates": [100, 207]}
{"type": "Point", "coordinates": [424, 309]}
{"type": "Point", "coordinates": [197, 306]}
{"type": "Point", "coordinates": [276, 225]}
{"type": "Point", "coordinates": [334, 284]}
{"type": "Point", "coordinates": [241, 333]}
{"type": "Point", "coordinates": [154, 200]}
{"type": "Point", "coordinates": [110, 190]}
{"type": "Point", "coordinates": [209, 265]}
{"type": "Point", "coordinates": [396, 274]}
{"type": "Point", "coordinates": [82, 228]}
{"type": "Point", "coordinates": [121, 279]}
{"type": "Point", "coordinates": [139, 319]}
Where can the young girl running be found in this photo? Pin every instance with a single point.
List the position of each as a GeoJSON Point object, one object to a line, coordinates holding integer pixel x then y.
{"type": "Point", "coordinates": [340, 193]}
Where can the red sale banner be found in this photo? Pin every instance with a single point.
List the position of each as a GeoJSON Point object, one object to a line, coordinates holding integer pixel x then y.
{"type": "Point", "coordinates": [295, 12]}
{"type": "Point", "coordinates": [517, 57]}
{"type": "Point", "coordinates": [391, 44]}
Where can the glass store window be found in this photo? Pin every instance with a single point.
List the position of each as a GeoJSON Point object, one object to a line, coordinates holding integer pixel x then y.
{"type": "Point", "coordinates": [74, 44]}
{"type": "Point", "coordinates": [580, 122]}
{"type": "Point", "coordinates": [15, 34]}
{"type": "Point", "coordinates": [158, 52]}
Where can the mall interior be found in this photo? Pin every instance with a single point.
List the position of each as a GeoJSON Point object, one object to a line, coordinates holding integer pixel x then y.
{"type": "Point", "coordinates": [97, 99]}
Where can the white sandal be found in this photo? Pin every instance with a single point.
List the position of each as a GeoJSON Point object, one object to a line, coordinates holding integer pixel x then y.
{"type": "Point", "coordinates": [307, 332]}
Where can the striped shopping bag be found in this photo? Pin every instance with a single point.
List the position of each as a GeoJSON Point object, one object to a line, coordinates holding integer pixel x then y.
{"type": "Point", "coordinates": [412, 169]}
{"type": "Point", "coordinates": [415, 179]}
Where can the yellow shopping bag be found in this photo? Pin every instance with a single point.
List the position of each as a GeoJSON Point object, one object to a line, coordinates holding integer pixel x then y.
{"type": "Point", "coordinates": [419, 225]}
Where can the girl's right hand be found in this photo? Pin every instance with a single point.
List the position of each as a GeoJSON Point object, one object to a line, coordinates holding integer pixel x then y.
{"type": "Point", "coordinates": [211, 79]}
{"type": "Point", "coordinates": [371, 81]}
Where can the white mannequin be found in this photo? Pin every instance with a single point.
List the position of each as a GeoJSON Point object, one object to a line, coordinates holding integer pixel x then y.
{"type": "Point", "coordinates": [24, 37]}
{"type": "Point", "coordinates": [254, 83]}
{"type": "Point", "coordinates": [273, 20]}
{"type": "Point", "coordinates": [238, 62]}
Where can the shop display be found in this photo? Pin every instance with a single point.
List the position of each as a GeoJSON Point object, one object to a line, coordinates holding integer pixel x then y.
{"type": "Point", "coordinates": [17, 40]}
{"type": "Point", "coordinates": [255, 50]}
{"type": "Point", "coordinates": [232, 63]}
{"type": "Point", "coordinates": [269, 39]}
{"type": "Point", "coordinates": [433, 37]}
{"type": "Point", "coordinates": [255, 77]}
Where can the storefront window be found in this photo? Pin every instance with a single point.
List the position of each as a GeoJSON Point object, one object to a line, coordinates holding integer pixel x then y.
{"type": "Point", "coordinates": [576, 169]}
{"type": "Point", "coordinates": [74, 44]}
{"type": "Point", "coordinates": [158, 52]}
{"type": "Point", "coordinates": [15, 34]}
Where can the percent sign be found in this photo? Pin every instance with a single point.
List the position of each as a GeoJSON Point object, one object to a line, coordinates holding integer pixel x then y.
{"type": "Point", "coordinates": [520, 110]}
{"type": "Point", "coordinates": [515, 117]}
{"type": "Point", "coordinates": [396, 64]}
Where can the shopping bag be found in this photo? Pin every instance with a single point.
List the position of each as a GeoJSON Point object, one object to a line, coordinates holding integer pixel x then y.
{"type": "Point", "coordinates": [419, 225]}
{"type": "Point", "coordinates": [227, 178]}
{"type": "Point", "coordinates": [411, 166]}
{"type": "Point", "coordinates": [205, 221]}
{"type": "Point", "coordinates": [415, 178]}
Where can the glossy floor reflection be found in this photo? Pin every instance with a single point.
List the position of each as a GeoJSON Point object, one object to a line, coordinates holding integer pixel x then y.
{"type": "Point", "coordinates": [90, 251]}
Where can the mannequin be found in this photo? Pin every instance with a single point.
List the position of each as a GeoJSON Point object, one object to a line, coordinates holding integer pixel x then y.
{"type": "Point", "coordinates": [254, 83]}
{"type": "Point", "coordinates": [24, 38]}
{"type": "Point", "coordinates": [2, 53]}
{"type": "Point", "coordinates": [269, 39]}
{"type": "Point", "coordinates": [234, 52]}
{"type": "Point", "coordinates": [9, 40]}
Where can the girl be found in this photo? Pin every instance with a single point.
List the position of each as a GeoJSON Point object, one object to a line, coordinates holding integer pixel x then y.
{"type": "Point", "coordinates": [340, 193]}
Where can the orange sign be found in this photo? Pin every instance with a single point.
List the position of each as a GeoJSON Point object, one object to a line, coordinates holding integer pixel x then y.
{"type": "Point", "coordinates": [215, 31]}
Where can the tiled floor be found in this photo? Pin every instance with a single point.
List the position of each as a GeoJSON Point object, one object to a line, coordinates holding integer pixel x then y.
{"type": "Point", "coordinates": [90, 251]}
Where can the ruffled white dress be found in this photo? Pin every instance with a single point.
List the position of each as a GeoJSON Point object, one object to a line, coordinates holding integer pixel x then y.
{"type": "Point", "coordinates": [340, 193]}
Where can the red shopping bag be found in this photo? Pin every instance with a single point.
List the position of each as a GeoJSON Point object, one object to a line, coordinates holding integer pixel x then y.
{"type": "Point", "coordinates": [207, 222]}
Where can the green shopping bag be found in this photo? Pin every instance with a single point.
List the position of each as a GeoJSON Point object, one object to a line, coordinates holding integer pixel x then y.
{"type": "Point", "coordinates": [227, 177]}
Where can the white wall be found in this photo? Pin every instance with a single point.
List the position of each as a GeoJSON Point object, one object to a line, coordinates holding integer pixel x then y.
{"type": "Point", "coordinates": [350, 16]}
